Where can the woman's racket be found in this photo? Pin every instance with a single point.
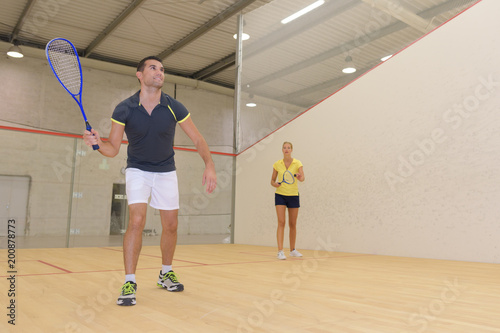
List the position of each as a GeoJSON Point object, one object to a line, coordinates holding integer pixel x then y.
{"type": "Point", "coordinates": [288, 177]}
{"type": "Point", "coordinates": [65, 63]}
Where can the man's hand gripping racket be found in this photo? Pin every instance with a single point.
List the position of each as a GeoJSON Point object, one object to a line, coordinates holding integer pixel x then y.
{"type": "Point", "coordinates": [65, 63]}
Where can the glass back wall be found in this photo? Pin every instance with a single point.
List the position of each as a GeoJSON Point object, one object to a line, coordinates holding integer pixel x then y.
{"type": "Point", "coordinates": [63, 194]}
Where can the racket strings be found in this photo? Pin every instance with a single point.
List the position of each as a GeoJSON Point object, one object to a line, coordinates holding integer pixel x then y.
{"type": "Point", "coordinates": [288, 177]}
{"type": "Point", "coordinates": [65, 64]}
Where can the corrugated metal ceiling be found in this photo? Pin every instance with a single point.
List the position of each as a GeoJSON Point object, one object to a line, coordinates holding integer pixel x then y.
{"type": "Point", "coordinates": [302, 59]}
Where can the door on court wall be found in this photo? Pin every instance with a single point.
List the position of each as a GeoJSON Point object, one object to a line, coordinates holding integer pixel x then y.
{"type": "Point", "coordinates": [119, 210]}
{"type": "Point", "coordinates": [14, 193]}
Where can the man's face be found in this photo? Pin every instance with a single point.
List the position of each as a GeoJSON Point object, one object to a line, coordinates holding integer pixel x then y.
{"type": "Point", "coordinates": [153, 74]}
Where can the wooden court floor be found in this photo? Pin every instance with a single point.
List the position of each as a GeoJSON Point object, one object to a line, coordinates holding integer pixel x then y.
{"type": "Point", "coordinates": [241, 288]}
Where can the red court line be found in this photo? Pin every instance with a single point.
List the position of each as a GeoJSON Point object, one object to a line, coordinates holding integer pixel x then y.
{"type": "Point", "coordinates": [111, 249]}
{"type": "Point", "coordinates": [156, 256]}
{"type": "Point", "coordinates": [191, 262]}
{"type": "Point", "coordinates": [96, 271]}
{"type": "Point", "coordinates": [28, 130]}
{"type": "Point", "coordinates": [263, 253]}
{"type": "Point", "coordinates": [290, 258]}
{"type": "Point", "coordinates": [79, 136]}
{"type": "Point", "coordinates": [212, 152]}
{"type": "Point", "coordinates": [57, 267]}
{"type": "Point", "coordinates": [179, 260]}
{"type": "Point", "coordinates": [35, 274]}
{"type": "Point", "coordinates": [194, 264]}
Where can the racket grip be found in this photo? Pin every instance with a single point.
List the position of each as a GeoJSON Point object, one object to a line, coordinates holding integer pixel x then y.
{"type": "Point", "coordinates": [89, 128]}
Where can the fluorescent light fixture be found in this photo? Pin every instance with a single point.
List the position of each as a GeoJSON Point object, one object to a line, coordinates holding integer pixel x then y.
{"type": "Point", "coordinates": [303, 11]}
{"type": "Point", "coordinates": [251, 104]}
{"type": "Point", "coordinates": [244, 36]}
{"type": "Point", "coordinates": [386, 57]}
{"type": "Point", "coordinates": [15, 52]}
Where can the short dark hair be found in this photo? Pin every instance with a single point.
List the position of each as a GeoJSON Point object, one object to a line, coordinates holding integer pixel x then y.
{"type": "Point", "coordinates": [142, 63]}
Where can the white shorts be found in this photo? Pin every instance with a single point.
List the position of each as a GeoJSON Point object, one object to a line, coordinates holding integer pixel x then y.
{"type": "Point", "coordinates": [161, 186]}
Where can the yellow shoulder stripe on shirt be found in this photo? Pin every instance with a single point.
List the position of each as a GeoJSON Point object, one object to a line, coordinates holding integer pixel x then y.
{"type": "Point", "coordinates": [116, 121]}
{"type": "Point", "coordinates": [173, 114]}
{"type": "Point", "coordinates": [186, 117]}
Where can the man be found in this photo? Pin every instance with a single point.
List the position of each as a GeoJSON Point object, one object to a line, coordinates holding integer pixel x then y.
{"type": "Point", "coordinates": [149, 118]}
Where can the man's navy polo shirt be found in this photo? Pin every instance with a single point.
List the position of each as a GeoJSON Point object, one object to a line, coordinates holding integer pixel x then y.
{"type": "Point", "coordinates": [150, 137]}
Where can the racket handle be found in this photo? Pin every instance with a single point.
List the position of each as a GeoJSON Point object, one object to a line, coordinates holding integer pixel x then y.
{"type": "Point", "coordinates": [89, 128]}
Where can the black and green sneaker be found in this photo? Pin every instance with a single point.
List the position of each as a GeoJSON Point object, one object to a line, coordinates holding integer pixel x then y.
{"type": "Point", "coordinates": [127, 296]}
{"type": "Point", "coordinates": [169, 281]}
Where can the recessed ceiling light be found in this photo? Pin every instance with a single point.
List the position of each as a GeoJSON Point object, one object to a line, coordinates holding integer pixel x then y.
{"type": "Point", "coordinates": [251, 105]}
{"type": "Point", "coordinates": [386, 57]}
{"type": "Point", "coordinates": [243, 35]}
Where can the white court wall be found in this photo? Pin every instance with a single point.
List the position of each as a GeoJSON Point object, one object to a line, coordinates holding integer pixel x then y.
{"type": "Point", "coordinates": [404, 161]}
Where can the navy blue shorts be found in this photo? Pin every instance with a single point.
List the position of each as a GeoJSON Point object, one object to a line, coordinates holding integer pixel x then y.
{"type": "Point", "coordinates": [291, 201]}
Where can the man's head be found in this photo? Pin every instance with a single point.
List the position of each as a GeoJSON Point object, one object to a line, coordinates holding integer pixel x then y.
{"type": "Point", "coordinates": [150, 72]}
{"type": "Point", "coordinates": [142, 63]}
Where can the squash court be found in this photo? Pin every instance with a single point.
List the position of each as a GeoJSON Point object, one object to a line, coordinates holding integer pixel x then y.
{"type": "Point", "coordinates": [392, 107]}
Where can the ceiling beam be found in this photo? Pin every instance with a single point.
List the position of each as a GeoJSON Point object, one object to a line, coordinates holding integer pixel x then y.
{"type": "Point", "coordinates": [20, 22]}
{"type": "Point", "coordinates": [445, 7]}
{"type": "Point", "coordinates": [214, 68]}
{"type": "Point", "coordinates": [203, 29]}
{"type": "Point", "coordinates": [110, 28]}
{"type": "Point", "coordinates": [401, 13]}
{"type": "Point", "coordinates": [337, 82]}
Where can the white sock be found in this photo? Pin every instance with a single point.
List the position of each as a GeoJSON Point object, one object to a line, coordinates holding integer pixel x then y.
{"type": "Point", "coordinates": [130, 277]}
{"type": "Point", "coordinates": [166, 268]}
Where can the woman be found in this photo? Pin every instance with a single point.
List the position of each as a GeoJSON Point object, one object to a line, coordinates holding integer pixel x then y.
{"type": "Point", "coordinates": [287, 196]}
